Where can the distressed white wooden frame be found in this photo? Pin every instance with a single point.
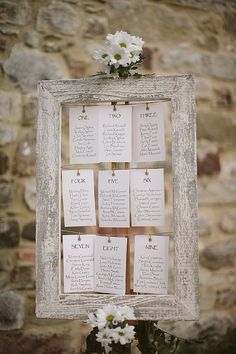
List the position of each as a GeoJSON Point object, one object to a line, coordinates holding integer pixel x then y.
{"type": "Point", "coordinates": [183, 304]}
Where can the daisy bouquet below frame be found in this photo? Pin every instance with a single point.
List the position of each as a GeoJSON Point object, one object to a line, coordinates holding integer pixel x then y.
{"type": "Point", "coordinates": [113, 333]}
{"type": "Point", "coordinates": [121, 55]}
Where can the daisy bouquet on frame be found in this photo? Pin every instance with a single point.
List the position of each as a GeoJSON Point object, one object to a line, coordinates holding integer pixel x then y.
{"type": "Point", "coordinates": [121, 55]}
{"type": "Point", "coordinates": [113, 333]}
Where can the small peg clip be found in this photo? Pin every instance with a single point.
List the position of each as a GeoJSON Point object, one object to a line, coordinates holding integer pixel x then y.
{"type": "Point", "coordinates": [147, 107]}
{"type": "Point", "coordinates": [78, 173]}
{"type": "Point", "coordinates": [109, 239]}
{"type": "Point", "coordinates": [114, 106]}
{"type": "Point", "coordinates": [146, 172]}
{"type": "Point", "coordinates": [150, 238]}
{"type": "Point", "coordinates": [83, 110]}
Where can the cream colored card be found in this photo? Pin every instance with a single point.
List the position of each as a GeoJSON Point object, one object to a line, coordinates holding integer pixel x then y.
{"type": "Point", "coordinates": [110, 265]}
{"type": "Point", "coordinates": [78, 263]}
{"type": "Point", "coordinates": [115, 132]}
{"type": "Point", "coordinates": [113, 198]}
{"type": "Point", "coordinates": [147, 197]}
{"type": "Point", "coordinates": [148, 133]}
{"type": "Point", "coordinates": [83, 134]}
{"type": "Point", "coordinates": [151, 264]}
{"type": "Point", "coordinates": [78, 198]}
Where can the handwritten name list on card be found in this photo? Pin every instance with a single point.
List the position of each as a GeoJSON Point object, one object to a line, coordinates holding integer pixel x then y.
{"type": "Point", "coordinates": [78, 263]}
{"type": "Point", "coordinates": [83, 136]}
{"type": "Point", "coordinates": [110, 265]}
{"type": "Point", "coordinates": [113, 198]}
{"type": "Point", "coordinates": [147, 197]}
{"type": "Point", "coordinates": [115, 128]}
{"type": "Point", "coordinates": [78, 198]}
{"type": "Point", "coordinates": [148, 133]}
{"type": "Point", "coordinates": [151, 264]}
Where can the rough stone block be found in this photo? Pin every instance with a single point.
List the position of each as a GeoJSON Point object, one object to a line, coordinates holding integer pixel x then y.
{"type": "Point", "coordinates": [58, 17]}
{"type": "Point", "coordinates": [9, 233]}
{"type": "Point", "coordinates": [26, 155]}
{"type": "Point", "coordinates": [8, 31]}
{"type": "Point", "coordinates": [226, 298]}
{"type": "Point", "coordinates": [3, 44]}
{"type": "Point", "coordinates": [4, 279]}
{"type": "Point", "coordinates": [216, 191]}
{"type": "Point", "coordinates": [30, 194]}
{"type": "Point", "coordinates": [7, 260]}
{"type": "Point", "coordinates": [230, 21]}
{"type": "Point", "coordinates": [215, 126]}
{"type": "Point", "coordinates": [23, 277]}
{"type": "Point", "coordinates": [26, 256]}
{"type": "Point", "coordinates": [16, 12]}
{"type": "Point", "coordinates": [4, 162]}
{"type": "Point", "coordinates": [184, 60]}
{"type": "Point", "coordinates": [41, 342]}
{"type": "Point", "coordinates": [78, 68]}
{"type": "Point", "coordinates": [97, 26]}
{"type": "Point", "coordinates": [213, 333]}
{"type": "Point", "coordinates": [224, 97]}
{"type": "Point", "coordinates": [7, 134]}
{"type": "Point", "coordinates": [228, 222]}
{"type": "Point", "coordinates": [27, 66]}
{"type": "Point", "coordinates": [209, 165]}
{"type": "Point", "coordinates": [11, 313]}
{"type": "Point", "coordinates": [147, 62]}
{"type": "Point", "coordinates": [218, 255]}
{"type": "Point", "coordinates": [29, 231]}
{"type": "Point", "coordinates": [6, 192]}
{"type": "Point", "coordinates": [204, 89]}
{"type": "Point", "coordinates": [32, 39]}
{"type": "Point", "coordinates": [10, 107]}
{"type": "Point", "coordinates": [202, 4]}
{"type": "Point", "coordinates": [29, 110]}
{"type": "Point", "coordinates": [204, 226]}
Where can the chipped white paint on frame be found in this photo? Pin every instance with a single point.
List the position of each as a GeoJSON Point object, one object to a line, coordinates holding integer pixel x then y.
{"type": "Point", "coordinates": [183, 304]}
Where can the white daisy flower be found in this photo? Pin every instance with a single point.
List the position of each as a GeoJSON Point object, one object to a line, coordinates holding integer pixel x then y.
{"type": "Point", "coordinates": [108, 314]}
{"type": "Point", "coordinates": [102, 56]}
{"type": "Point", "coordinates": [126, 313]}
{"type": "Point", "coordinates": [119, 56]}
{"type": "Point", "coordinates": [137, 42]}
{"type": "Point", "coordinates": [96, 320]}
{"type": "Point", "coordinates": [123, 335]}
{"type": "Point", "coordinates": [134, 56]}
{"type": "Point", "coordinates": [107, 349]}
{"type": "Point", "coordinates": [104, 336]}
{"type": "Point", "coordinates": [120, 39]}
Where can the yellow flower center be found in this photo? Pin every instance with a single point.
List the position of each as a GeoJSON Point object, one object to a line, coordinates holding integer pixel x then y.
{"type": "Point", "coordinates": [123, 45]}
{"type": "Point", "coordinates": [110, 318]}
{"type": "Point", "coordinates": [117, 56]}
{"type": "Point", "coordinates": [104, 56]}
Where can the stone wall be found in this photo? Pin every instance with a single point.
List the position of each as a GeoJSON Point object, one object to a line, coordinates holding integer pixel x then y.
{"type": "Point", "coordinates": [55, 39]}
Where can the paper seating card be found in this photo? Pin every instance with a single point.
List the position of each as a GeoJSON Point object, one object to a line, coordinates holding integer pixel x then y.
{"type": "Point", "coordinates": [100, 134]}
{"type": "Point", "coordinates": [83, 128]}
{"type": "Point", "coordinates": [147, 197]}
{"type": "Point", "coordinates": [78, 263]}
{"type": "Point", "coordinates": [110, 265]}
{"type": "Point", "coordinates": [115, 129]}
{"type": "Point", "coordinates": [113, 198]}
{"type": "Point", "coordinates": [151, 264]}
{"type": "Point", "coordinates": [148, 133]}
{"type": "Point", "coordinates": [78, 198]}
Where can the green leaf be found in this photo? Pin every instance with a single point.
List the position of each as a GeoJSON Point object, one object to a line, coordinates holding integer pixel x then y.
{"type": "Point", "coordinates": [137, 75]}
